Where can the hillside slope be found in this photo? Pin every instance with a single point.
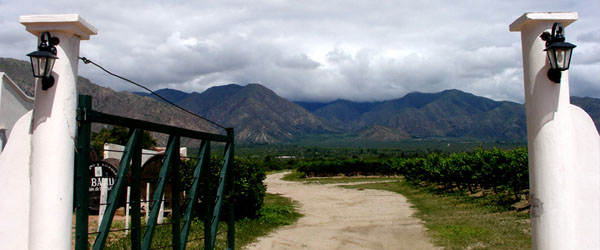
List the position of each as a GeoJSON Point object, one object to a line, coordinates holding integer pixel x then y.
{"type": "Point", "coordinates": [257, 113]}
{"type": "Point", "coordinates": [117, 103]}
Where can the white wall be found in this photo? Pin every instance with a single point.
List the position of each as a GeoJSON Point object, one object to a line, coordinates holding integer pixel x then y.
{"type": "Point", "coordinates": [15, 187]}
{"type": "Point", "coordinates": [14, 103]}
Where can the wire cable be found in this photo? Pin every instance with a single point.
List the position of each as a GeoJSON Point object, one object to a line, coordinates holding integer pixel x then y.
{"type": "Point", "coordinates": [88, 61]}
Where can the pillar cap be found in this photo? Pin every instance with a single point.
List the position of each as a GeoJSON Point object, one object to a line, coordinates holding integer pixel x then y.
{"type": "Point", "coordinates": [565, 18]}
{"type": "Point", "coordinates": [70, 23]}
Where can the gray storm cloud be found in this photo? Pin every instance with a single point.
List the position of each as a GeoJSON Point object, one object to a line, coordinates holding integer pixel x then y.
{"type": "Point", "coordinates": [314, 50]}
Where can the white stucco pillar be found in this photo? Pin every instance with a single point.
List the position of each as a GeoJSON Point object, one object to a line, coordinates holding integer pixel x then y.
{"type": "Point", "coordinates": [53, 132]}
{"type": "Point", "coordinates": [563, 146]}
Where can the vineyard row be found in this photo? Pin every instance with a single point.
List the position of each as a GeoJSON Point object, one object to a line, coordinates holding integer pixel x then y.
{"type": "Point", "coordinates": [494, 170]}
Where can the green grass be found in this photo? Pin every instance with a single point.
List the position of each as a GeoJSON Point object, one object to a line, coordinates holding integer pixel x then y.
{"type": "Point", "coordinates": [277, 211]}
{"type": "Point", "coordinates": [456, 221]}
{"type": "Point", "coordinates": [295, 176]}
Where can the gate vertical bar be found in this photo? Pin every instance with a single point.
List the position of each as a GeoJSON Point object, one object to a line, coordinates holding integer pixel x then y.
{"type": "Point", "coordinates": [82, 178]}
{"type": "Point", "coordinates": [158, 192]}
{"type": "Point", "coordinates": [208, 201]}
{"type": "Point", "coordinates": [136, 225]}
{"type": "Point", "coordinates": [231, 200]}
{"type": "Point", "coordinates": [117, 189]}
{"type": "Point", "coordinates": [216, 213]}
{"type": "Point", "coordinates": [175, 191]}
{"type": "Point", "coordinates": [201, 167]}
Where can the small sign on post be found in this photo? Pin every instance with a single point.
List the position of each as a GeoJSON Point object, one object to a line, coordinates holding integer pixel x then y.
{"type": "Point", "coordinates": [161, 211]}
{"type": "Point", "coordinates": [103, 195]}
{"type": "Point", "coordinates": [147, 207]}
{"type": "Point", "coordinates": [127, 210]}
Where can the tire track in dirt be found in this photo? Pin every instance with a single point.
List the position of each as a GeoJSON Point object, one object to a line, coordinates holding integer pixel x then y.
{"type": "Point", "coordinates": [339, 218]}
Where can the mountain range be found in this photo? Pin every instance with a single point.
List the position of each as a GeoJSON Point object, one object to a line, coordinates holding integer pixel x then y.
{"type": "Point", "coordinates": [259, 115]}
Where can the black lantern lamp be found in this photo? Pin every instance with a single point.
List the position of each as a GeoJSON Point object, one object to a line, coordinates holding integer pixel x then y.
{"type": "Point", "coordinates": [559, 52]}
{"type": "Point", "coordinates": [42, 60]}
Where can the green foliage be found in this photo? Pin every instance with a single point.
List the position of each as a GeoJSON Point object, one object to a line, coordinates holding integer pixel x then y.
{"type": "Point", "coordinates": [248, 187]}
{"type": "Point", "coordinates": [119, 135]}
{"type": "Point", "coordinates": [277, 163]}
{"type": "Point", "coordinates": [249, 190]}
{"type": "Point", "coordinates": [347, 167]}
{"type": "Point", "coordinates": [496, 170]}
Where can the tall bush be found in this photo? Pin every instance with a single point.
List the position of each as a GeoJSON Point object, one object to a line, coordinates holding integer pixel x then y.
{"type": "Point", "coordinates": [249, 190]}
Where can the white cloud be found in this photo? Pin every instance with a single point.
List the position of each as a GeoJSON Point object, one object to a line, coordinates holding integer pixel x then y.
{"type": "Point", "coordinates": [313, 50]}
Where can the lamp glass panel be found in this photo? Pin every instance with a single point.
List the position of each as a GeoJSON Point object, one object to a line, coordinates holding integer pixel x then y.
{"type": "Point", "coordinates": [36, 66]}
{"type": "Point", "coordinates": [561, 58]}
{"type": "Point", "coordinates": [41, 66]}
{"type": "Point", "coordinates": [567, 61]}
{"type": "Point", "coordinates": [48, 67]}
{"type": "Point", "coordinates": [552, 57]}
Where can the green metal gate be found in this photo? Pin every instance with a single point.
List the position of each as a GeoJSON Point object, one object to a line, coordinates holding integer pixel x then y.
{"type": "Point", "coordinates": [131, 164]}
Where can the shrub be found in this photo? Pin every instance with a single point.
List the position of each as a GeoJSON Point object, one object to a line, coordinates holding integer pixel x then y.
{"type": "Point", "coordinates": [249, 190]}
{"type": "Point", "coordinates": [481, 170]}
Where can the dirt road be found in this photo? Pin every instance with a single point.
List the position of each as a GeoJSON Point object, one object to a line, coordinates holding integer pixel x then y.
{"type": "Point", "coordinates": [338, 218]}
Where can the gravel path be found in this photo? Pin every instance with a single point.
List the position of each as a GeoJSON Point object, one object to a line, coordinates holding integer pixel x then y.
{"type": "Point", "coordinates": [338, 218]}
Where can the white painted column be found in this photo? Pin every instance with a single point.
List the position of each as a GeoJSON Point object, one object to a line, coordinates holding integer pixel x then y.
{"type": "Point", "coordinates": [563, 145]}
{"type": "Point", "coordinates": [53, 132]}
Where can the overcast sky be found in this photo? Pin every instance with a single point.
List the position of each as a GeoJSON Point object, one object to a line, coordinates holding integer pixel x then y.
{"type": "Point", "coordinates": [314, 50]}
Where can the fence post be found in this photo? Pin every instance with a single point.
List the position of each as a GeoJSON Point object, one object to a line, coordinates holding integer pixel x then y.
{"type": "Point", "coordinates": [175, 191]}
{"type": "Point", "coordinates": [208, 201]}
{"type": "Point", "coordinates": [201, 167]}
{"type": "Point", "coordinates": [136, 224]}
{"type": "Point", "coordinates": [158, 192]}
{"type": "Point", "coordinates": [216, 214]}
{"type": "Point", "coordinates": [230, 186]}
{"type": "Point", "coordinates": [113, 199]}
{"type": "Point", "coordinates": [82, 179]}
